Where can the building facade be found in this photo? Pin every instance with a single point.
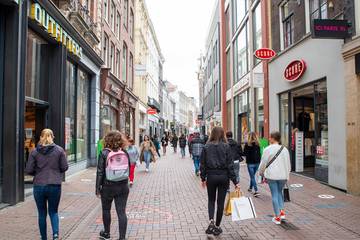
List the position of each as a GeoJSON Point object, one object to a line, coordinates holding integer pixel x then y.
{"type": "Point", "coordinates": [118, 101]}
{"type": "Point", "coordinates": [310, 98]}
{"type": "Point", "coordinates": [50, 79]}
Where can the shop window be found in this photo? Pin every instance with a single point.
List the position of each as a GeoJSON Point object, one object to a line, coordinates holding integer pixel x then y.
{"type": "Point", "coordinates": [257, 31]}
{"type": "Point", "coordinates": [287, 24]}
{"type": "Point", "coordinates": [318, 9]}
{"type": "Point", "coordinates": [70, 147]}
{"type": "Point", "coordinates": [124, 63]}
{"type": "Point", "coordinates": [82, 116]}
{"type": "Point", "coordinates": [284, 119]}
{"type": "Point", "coordinates": [112, 58]}
{"type": "Point", "coordinates": [37, 65]}
{"type": "Point", "coordinates": [112, 16]}
{"type": "Point", "coordinates": [321, 120]}
{"type": "Point", "coordinates": [126, 13]}
{"type": "Point", "coordinates": [241, 52]}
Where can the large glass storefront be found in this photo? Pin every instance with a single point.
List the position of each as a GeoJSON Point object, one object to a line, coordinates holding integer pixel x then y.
{"type": "Point", "coordinates": [304, 129]}
{"type": "Point", "coordinates": [242, 111]}
{"type": "Point", "coordinates": [76, 113]}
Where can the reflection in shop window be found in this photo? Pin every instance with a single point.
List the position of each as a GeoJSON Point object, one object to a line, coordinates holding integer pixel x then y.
{"type": "Point", "coordinates": [82, 115]}
{"type": "Point", "coordinates": [70, 111]}
{"type": "Point", "coordinates": [284, 119]}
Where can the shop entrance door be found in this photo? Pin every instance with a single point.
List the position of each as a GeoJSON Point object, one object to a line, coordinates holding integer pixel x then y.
{"type": "Point", "coordinates": [243, 128]}
{"type": "Point", "coordinates": [35, 122]}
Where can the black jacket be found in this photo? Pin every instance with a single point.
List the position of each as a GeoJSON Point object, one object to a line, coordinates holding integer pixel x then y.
{"type": "Point", "coordinates": [182, 142]}
{"type": "Point", "coordinates": [101, 174]}
{"type": "Point", "coordinates": [252, 153]}
{"type": "Point", "coordinates": [216, 160]}
{"type": "Point", "coordinates": [236, 150]}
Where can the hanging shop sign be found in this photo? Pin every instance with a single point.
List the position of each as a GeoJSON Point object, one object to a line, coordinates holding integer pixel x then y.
{"type": "Point", "coordinates": [55, 30]}
{"type": "Point", "coordinates": [151, 111]}
{"type": "Point", "coordinates": [265, 53]}
{"type": "Point", "coordinates": [330, 28]}
{"type": "Point", "coordinates": [295, 70]}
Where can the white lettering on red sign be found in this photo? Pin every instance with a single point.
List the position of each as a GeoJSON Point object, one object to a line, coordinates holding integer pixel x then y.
{"type": "Point", "coordinates": [295, 70]}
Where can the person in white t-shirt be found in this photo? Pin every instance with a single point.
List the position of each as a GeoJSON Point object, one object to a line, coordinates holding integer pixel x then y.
{"type": "Point", "coordinates": [275, 167]}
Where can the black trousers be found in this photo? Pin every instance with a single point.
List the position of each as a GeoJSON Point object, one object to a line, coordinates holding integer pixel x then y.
{"type": "Point", "coordinates": [118, 192]}
{"type": "Point", "coordinates": [217, 186]}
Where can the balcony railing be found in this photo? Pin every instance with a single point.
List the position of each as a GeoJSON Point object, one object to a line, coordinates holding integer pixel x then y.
{"type": "Point", "coordinates": [83, 11]}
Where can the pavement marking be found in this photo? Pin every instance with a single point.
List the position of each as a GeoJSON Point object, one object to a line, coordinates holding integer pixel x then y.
{"type": "Point", "coordinates": [296, 185]}
{"type": "Point", "coordinates": [326, 196]}
{"type": "Point", "coordinates": [86, 180]}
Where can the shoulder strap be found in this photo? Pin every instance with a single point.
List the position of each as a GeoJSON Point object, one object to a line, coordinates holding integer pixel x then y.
{"type": "Point", "coordinates": [275, 157]}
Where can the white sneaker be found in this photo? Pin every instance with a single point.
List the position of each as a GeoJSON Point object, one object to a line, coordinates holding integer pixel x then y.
{"type": "Point", "coordinates": [276, 220]}
{"type": "Point", "coordinates": [147, 170]}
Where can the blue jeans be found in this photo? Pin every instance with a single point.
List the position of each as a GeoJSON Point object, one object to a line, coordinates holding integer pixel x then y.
{"type": "Point", "coordinates": [252, 169]}
{"type": "Point", "coordinates": [147, 158]}
{"type": "Point", "coordinates": [196, 163]}
{"type": "Point", "coordinates": [47, 198]}
{"type": "Point", "coordinates": [182, 152]}
{"type": "Point", "coordinates": [276, 188]}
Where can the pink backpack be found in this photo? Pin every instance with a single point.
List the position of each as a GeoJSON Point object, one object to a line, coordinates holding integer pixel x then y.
{"type": "Point", "coordinates": [117, 166]}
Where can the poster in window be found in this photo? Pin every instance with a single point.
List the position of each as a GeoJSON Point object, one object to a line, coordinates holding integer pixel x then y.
{"type": "Point", "coordinates": [67, 132]}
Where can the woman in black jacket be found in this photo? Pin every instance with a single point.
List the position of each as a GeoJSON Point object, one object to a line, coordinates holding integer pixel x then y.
{"type": "Point", "coordinates": [110, 191]}
{"type": "Point", "coordinates": [253, 159]}
{"type": "Point", "coordinates": [217, 168]}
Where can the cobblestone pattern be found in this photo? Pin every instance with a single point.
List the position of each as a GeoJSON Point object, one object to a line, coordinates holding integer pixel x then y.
{"type": "Point", "coordinates": [168, 203]}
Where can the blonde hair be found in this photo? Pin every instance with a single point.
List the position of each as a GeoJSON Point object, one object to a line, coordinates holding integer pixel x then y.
{"type": "Point", "coordinates": [253, 138]}
{"type": "Point", "coordinates": [47, 137]}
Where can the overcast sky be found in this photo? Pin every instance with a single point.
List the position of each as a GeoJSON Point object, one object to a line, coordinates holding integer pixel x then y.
{"type": "Point", "coordinates": [181, 27]}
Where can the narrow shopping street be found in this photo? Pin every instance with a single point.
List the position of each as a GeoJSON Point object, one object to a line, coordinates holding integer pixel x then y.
{"type": "Point", "coordinates": [169, 203]}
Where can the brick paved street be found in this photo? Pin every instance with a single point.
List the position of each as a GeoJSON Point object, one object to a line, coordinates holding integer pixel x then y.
{"type": "Point", "coordinates": [168, 203]}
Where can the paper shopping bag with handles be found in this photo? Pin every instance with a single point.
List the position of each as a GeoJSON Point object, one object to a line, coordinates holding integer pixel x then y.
{"type": "Point", "coordinates": [242, 208]}
{"type": "Point", "coordinates": [230, 196]}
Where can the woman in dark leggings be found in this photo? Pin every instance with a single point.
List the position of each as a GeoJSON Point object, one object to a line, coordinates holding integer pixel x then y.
{"type": "Point", "coordinates": [110, 191]}
{"type": "Point", "coordinates": [217, 168]}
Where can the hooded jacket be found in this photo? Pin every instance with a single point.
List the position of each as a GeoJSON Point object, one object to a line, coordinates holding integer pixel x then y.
{"type": "Point", "coordinates": [216, 159]}
{"type": "Point", "coordinates": [47, 164]}
{"type": "Point", "coordinates": [236, 150]}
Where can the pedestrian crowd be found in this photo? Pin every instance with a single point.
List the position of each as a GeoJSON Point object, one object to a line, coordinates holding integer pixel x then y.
{"type": "Point", "coordinates": [217, 159]}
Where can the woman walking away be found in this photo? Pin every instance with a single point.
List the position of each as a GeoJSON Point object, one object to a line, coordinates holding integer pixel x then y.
{"type": "Point", "coordinates": [47, 163]}
{"type": "Point", "coordinates": [164, 143]}
{"type": "Point", "coordinates": [112, 181]}
{"type": "Point", "coordinates": [175, 142]}
{"type": "Point", "coordinates": [253, 158]}
{"type": "Point", "coordinates": [216, 169]}
{"type": "Point", "coordinates": [157, 145]}
{"type": "Point", "coordinates": [148, 152]}
{"type": "Point", "coordinates": [275, 166]}
{"type": "Point", "coordinates": [134, 157]}
{"type": "Point", "coordinates": [182, 144]}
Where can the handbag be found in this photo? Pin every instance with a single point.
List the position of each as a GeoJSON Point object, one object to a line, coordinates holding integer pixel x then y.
{"type": "Point", "coordinates": [286, 193]}
{"type": "Point", "coordinates": [231, 195]}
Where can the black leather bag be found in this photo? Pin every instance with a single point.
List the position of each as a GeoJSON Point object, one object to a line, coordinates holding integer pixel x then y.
{"type": "Point", "coordinates": [286, 193]}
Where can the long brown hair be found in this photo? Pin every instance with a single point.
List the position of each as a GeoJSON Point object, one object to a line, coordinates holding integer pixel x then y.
{"type": "Point", "coordinates": [253, 139]}
{"type": "Point", "coordinates": [115, 140]}
{"type": "Point", "coordinates": [217, 135]}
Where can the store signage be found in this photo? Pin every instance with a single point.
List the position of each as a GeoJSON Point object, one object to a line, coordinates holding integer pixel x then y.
{"type": "Point", "coordinates": [295, 70]}
{"type": "Point", "coordinates": [151, 111]}
{"type": "Point", "coordinates": [330, 28]}
{"type": "Point", "coordinates": [258, 80]}
{"type": "Point", "coordinates": [265, 53]}
{"type": "Point", "coordinates": [299, 151]}
{"type": "Point", "coordinates": [55, 30]}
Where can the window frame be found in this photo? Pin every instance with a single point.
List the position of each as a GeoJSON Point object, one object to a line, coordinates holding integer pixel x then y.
{"type": "Point", "coordinates": [126, 14]}
{"type": "Point", "coordinates": [112, 16]}
{"type": "Point", "coordinates": [106, 10]}
{"type": "Point", "coordinates": [125, 63]}
{"type": "Point", "coordinates": [105, 49]}
{"type": "Point", "coordinates": [112, 57]}
{"type": "Point", "coordinates": [132, 24]}
{"type": "Point", "coordinates": [289, 18]}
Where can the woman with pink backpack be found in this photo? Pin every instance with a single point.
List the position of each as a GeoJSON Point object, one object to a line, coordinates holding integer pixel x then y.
{"type": "Point", "coordinates": [112, 181]}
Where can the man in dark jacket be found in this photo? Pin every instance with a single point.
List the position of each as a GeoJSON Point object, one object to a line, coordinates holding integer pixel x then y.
{"type": "Point", "coordinates": [236, 152]}
{"type": "Point", "coordinates": [196, 146]}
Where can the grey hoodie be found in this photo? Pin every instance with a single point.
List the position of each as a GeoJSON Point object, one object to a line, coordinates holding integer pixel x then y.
{"type": "Point", "coordinates": [47, 164]}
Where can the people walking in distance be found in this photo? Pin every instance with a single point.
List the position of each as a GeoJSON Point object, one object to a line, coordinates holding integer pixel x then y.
{"type": "Point", "coordinates": [174, 142]}
{"type": "Point", "coordinates": [147, 152]}
{"type": "Point", "coordinates": [275, 167]}
{"type": "Point", "coordinates": [134, 157]}
{"type": "Point", "coordinates": [164, 143]}
{"type": "Point", "coordinates": [157, 144]}
{"type": "Point", "coordinates": [182, 144]}
{"type": "Point", "coordinates": [216, 169]}
{"type": "Point", "coordinates": [196, 146]}
{"type": "Point", "coordinates": [112, 181]}
{"type": "Point", "coordinates": [236, 153]}
{"type": "Point", "coordinates": [190, 138]}
{"type": "Point", "coordinates": [47, 163]}
{"type": "Point", "coordinates": [253, 158]}
{"type": "Point", "coordinates": [206, 138]}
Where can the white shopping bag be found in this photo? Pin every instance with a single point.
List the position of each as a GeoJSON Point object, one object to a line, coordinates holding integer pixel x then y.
{"type": "Point", "coordinates": [259, 178]}
{"type": "Point", "coordinates": [242, 208]}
